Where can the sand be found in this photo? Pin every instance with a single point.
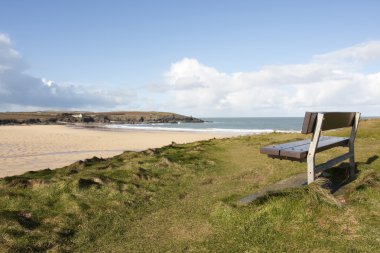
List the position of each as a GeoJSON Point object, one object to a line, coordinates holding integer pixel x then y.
{"type": "Point", "coordinates": [36, 147]}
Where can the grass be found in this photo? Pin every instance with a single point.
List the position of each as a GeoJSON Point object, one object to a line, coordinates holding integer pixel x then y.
{"type": "Point", "coordinates": [182, 198]}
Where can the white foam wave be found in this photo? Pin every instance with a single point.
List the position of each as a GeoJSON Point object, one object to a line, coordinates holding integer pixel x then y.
{"type": "Point", "coordinates": [203, 130]}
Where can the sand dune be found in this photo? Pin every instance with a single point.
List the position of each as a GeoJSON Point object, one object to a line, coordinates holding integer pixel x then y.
{"type": "Point", "coordinates": [35, 147]}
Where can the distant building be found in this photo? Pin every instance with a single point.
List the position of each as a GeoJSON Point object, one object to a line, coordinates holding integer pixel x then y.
{"type": "Point", "coordinates": [77, 115]}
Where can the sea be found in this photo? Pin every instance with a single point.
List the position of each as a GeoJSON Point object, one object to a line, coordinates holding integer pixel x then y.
{"type": "Point", "coordinates": [240, 125]}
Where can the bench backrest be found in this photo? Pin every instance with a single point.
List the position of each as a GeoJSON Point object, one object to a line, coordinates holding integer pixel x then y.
{"type": "Point", "coordinates": [332, 120]}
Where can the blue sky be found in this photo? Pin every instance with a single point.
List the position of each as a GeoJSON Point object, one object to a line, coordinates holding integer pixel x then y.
{"type": "Point", "coordinates": [192, 57]}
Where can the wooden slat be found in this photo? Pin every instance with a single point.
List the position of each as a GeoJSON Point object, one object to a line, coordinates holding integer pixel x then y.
{"type": "Point", "coordinates": [332, 120]}
{"type": "Point", "coordinates": [309, 122]}
{"type": "Point", "coordinates": [301, 152]}
{"type": "Point", "coordinates": [275, 149]}
{"type": "Point", "coordinates": [298, 150]}
{"type": "Point", "coordinates": [286, 158]}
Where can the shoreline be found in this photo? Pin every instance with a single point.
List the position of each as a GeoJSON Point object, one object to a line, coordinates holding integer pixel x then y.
{"type": "Point", "coordinates": [149, 128]}
{"type": "Point", "coordinates": [35, 147]}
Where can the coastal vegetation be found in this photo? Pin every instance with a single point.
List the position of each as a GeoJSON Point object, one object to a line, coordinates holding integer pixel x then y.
{"type": "Point", "coordinates": [184, 198]}
{"type": "Point", "coordinates": [126, 117]}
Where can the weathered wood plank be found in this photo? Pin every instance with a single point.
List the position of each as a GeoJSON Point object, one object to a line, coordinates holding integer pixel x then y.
{"type": "Point", "coordinates": [331, 120]}
{"type": "Point", "coordinates": [299, 149]}
{"type": "Point", "coordinates": [270, 150]}
{"type": "Point", "coordinates": [286, 145]}
{"type": "Point", "coordinates": [295, 181]}
{"type": "Point", "coordinates": [334, 120]}
{"type": "Point", "coordinates": [275, 149]}
{"type": "Point", "coordinates": [301, 152]}
{"type": "Point", "coordinates": [287, 158]}
{"type": "Point", "coordinates": [309, 122]}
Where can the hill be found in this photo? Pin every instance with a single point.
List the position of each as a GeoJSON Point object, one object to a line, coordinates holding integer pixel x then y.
{"type": "Point", "coordinates": [56, 117]}
{"type": "Point", "coordinates": [182, 198]}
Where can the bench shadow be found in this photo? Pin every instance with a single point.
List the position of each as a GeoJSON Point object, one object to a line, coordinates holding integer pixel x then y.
{"type": "Point", "coordinates": [277, 189]}
{"type": "Point", "coordinates": [338, 176]}
{"type": "Point", "coordinates": [333, 180]}
{"type": "Point", "coordinates": [370, 160]}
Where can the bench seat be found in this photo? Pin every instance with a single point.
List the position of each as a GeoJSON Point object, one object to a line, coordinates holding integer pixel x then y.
{"type": "Point", "coordinates": [298, 150]}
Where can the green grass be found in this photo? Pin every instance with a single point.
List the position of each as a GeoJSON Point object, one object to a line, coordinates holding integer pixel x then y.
{"type": "Point", "coordinates": [182, 198]}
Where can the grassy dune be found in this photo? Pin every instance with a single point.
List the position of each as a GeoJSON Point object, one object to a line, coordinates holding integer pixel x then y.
{"type": "Point", "coordinates": [182, 198]}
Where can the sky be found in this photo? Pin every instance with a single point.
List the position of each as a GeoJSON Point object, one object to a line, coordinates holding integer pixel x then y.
{"type": "Point", "coordinates": [202, 58]}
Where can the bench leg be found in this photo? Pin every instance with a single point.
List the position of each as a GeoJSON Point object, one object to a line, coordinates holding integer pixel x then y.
{"type": "Point", "coordinates": [352, 163]}
{"type": "Point", "coordinates": [351, 144]}
{"type": "Point", "coordinates": [312, 149]}
{"type": "Point", "coordinates": [310, 169]}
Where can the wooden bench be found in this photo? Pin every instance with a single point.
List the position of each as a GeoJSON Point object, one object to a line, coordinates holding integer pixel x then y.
{"type": "Point", "coordinates": [314, 123]}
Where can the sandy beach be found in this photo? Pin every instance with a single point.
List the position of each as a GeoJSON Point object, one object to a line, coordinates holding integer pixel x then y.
{"type": "Point", "coordinates": [35, 147]}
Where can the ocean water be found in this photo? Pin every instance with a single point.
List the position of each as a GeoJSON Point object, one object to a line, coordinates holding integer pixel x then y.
{"type": "Point", "coordinates": [246, 125]}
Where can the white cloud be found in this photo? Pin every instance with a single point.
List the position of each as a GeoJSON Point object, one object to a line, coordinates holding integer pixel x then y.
{"type": "Point", "coordinates": [47, 82]}
{"type": "Point", "coordinates": [4, 39]}
{"type": "Point", "coordinates": [22, 91]}
{"type": "Point", "coordinates": [331, 81]}
{"type": "Point", "coordinates": [358, 54]}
